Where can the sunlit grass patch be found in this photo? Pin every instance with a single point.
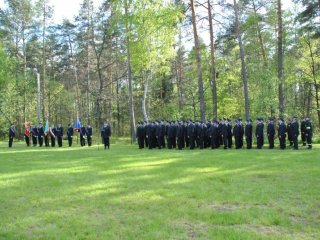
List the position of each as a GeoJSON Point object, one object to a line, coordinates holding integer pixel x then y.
{"type": "Point", "coordinates": [127, 193]}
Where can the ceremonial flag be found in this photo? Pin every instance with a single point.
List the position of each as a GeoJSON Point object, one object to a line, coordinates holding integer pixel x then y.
{"type": "Point", "coordinates": [46, 128]}
{"type": "Point", "coordinates": [77, 125]}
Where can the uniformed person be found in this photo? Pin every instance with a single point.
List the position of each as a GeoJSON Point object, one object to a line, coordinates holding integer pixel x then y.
{"type": "Point", "coordinates": [149, 134]}
{"type": "Point", "coordinates": [295, 132]}
{"type": "Point", "coordinates": [70, 134]}
{"type": "Point", "coordinates": [34, 134]}
{"type": "Point", "coordinates": [303, 131]}
{"type": "Point", "coordinates": [159, 134]}
{"type": "Point", "coordinates": [282, 130]}
{"type": "Point", "coordinates": [241, 132]}
{"type": "Point", "coordinates": [259, 133]}
{"type": "Point", "coordinates": [53, 135]}
{"type": "Point", "coordinates": [191, 134]}
{"type": "Point", "coordinates": [89, 135]}
{"type": "Point", "coordinates": [224, 133]}
{"type": "Point", "coordinates": [83, 135]}
{"type": "Point", "coordinates": [236, 134]}
{"type": "Point", "coordinates": [271, 132]}
{"type": "Point", "coordinates": [12, 134]}
{"type": "Point", "coordinates": [105, 135]}
{"type": "Point", "coordinates": [309, 132]}
{"type": "Point", "coordinates": [59, 134]}
{"type": "Point", "coordinates": [248, 133]}
{"type": "Point", "coordinates": [40, 135]}
{"type": "Point", "coordinates": [180, 135]}
{"type": "Point", "coordinates": [162, 123]}
{"type": "Point", "coordinates": [171, 135]}
{"type": "Point", "coordinates": [229, 133]}
{"type": "Point", "coordinates": [186, 142]}
{"type": "Point", "coordinates": [145, 125]}
{"type": "Point", "coordinates": [289, 131]}
{"type": "Point", "coordinates": [140, 135]}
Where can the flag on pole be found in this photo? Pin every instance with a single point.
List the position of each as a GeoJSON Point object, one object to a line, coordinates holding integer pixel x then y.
{"type": "Point", "coordinates": [77, 125]}
{"type": "Point", "coordinates": [46, 128]}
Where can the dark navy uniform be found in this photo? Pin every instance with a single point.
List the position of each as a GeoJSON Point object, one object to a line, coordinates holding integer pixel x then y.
{"type": "Point", "coordinates": [248, 133]}
{"type": "Point", "coordinates": [309, 132]}
{"type": "Point", "coordinates": [105, 134]}
{"type": "Point", "coordinates": [89, 135]}
{"type": "Point", "coordinates": [53, 135]}
{"type": "Point", "coordinates": [294, 128]}
{"type": "Point", "coordinates": [289, 131]}
{"type": "Point", "coordinates": [180, 135]}
{"type": "Point", "coordinates": [282, 130]}
{"type": "Point", "coordinates": [59, 135]}
{"type": "Point", "coordinates": [271, 132]}
{"type": "Point", "coordinates": [229, 133]}
{"type": "Point", "coordinates": [140, 135]}
{"type": "Point", "coordinates": [70, 134]}
{"type": "Point", "coordinates": [12, 134]}
{"type": "Point", "coordinates": [236, 134]}
{"type": "Point", "coordinates": [171, 135]}
{"type": "Point", "coordinates": [191, 135]}
{"type": "Point", "coordinates": [303, 132]}
{"type": "Point", "coordinates": [34, 134]}
{"type": "Point", "coordinates": [82, 136]}
{"type": "Point", "coordinates": [224, 134]}
{"type": "Point", "coordinates": [40, 135]}
{"type": "Point", "coordinates": [159, 134]}
{"type": "Point", "coordinates": [259, 133]}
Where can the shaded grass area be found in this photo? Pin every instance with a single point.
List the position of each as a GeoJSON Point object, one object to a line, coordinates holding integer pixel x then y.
{"type": "Point", "coordinates": [127, 193]}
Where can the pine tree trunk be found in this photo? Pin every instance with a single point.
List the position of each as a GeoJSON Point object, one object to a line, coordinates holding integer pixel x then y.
{"type": "Point", "coordinates": [213, 67]}
{"type": "Point", "coordinates": [199, 66]}
{"type": "Point", "coordinates": [280, 60]}
{"type": "Point", "coordinates": [243, 64]}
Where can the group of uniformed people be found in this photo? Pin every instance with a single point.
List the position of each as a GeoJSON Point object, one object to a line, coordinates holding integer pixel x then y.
{"type": "Point", "coordinates": [37, 135]}
{"type": "Point", "coordinates": [213, 134]}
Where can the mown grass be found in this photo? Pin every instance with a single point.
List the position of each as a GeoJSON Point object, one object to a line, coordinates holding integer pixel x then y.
{"type": "Point", "coordinates": [127, 193]}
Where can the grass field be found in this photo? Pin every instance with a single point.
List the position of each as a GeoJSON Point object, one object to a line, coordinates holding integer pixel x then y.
{"type": "Point", "coordinates": [126, 193]}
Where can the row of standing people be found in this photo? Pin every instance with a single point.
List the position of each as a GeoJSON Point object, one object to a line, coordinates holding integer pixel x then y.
{"type": "Point", "coordinates": [37, 135]}
{"type": "Point", "coordinates": [213, 134]}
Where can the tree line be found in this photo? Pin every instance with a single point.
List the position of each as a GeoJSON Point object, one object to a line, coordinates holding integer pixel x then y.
{"type": "Point", "coordinates": [130, 60]}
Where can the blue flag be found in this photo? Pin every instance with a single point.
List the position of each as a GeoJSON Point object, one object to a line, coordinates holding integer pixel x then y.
{"type": "Point", "coordinates": [77, 125]}
{"type": "Point", "coordinates": [46, 128]}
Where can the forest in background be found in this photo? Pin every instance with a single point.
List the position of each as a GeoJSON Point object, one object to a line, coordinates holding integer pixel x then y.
{"type": "Point", "coordinates": [132, 60]}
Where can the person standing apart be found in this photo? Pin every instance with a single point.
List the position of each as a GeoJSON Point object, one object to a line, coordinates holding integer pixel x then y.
{"type": "Point", "coordinates": [105, 134]}
{"type": "Point", "coordinates": [12, 134]}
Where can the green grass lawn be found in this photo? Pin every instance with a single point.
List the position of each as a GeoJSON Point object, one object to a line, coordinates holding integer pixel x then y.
{"type": "Point", "coordinates": [127, 193]}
